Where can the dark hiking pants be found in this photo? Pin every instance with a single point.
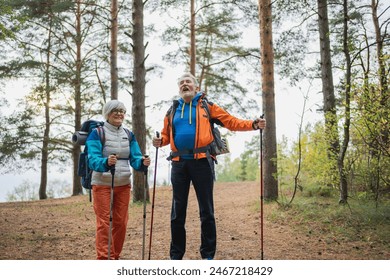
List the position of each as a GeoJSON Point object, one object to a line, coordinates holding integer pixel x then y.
{"type": "Point", "coordinates": [201, 175]}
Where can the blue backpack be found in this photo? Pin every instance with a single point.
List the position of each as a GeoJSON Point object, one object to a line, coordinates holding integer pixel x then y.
{"type": "Point", "coordinates": [79, 138]}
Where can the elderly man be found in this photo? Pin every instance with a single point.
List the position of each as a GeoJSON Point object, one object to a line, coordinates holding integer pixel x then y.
{"type": "Point", "coordinates": [187, 129]}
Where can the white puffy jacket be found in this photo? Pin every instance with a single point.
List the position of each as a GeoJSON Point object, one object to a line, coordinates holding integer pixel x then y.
{"type": "Point", "coordinates": [115, 142]}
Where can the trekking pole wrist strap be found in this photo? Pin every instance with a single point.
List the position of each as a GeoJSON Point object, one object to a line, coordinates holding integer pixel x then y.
{"type": "Point", "coordinates": [253, 125]}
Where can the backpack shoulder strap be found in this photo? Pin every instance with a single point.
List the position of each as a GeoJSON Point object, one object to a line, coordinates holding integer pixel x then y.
{"type": "Point", "coordinates": [173, 107]}
{"type": "Point", "coordinates": [101, 133]}
{"type": "Point", "coordinates": [205, 105]}
{"type": "Point", "coordinates": [128, 132]}
{"type": "Point", "coordinates": [171, 111]}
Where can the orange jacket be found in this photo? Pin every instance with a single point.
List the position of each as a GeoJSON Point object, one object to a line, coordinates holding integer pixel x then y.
{"type": "Point", "coordinates": [203, 135]}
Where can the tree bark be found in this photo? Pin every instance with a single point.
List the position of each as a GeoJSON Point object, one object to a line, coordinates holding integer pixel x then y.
{"type": "Point", "coordinates": [381, 142]}
{"type": "Point", "coordinates": [383, 80]}
{"type": "Point", "coordinates": [46, 133]}
{"type": "Point", "coordinates": [193, 45]}
{"type": "Point", "coordinates": [268, 100]}
{"type": "Point", "coordinates": [347, 114]}
{"type": "Point", "coordinates": [77, 188]}
{"type": "Point", "coordinates": [331, 131]}
{"type": "Point", "coordinates": [138, 96]}
{"type": "Point", "coordinates": [114, 49]}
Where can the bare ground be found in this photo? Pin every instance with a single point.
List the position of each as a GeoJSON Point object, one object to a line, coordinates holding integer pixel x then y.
{"type": "Point", "coordinates": [63, 229]}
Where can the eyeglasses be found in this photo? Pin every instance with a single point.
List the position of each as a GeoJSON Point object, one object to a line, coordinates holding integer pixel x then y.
{"type": "Point", "coordinates": [118, 111]}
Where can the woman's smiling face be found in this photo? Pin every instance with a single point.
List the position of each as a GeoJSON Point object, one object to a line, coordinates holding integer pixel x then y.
{"type": "Point", "coordinates": [116, 117]}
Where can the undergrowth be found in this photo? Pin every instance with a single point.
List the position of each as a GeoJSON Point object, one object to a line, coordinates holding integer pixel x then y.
{"type": "Point", "coordinates": [360, 219]}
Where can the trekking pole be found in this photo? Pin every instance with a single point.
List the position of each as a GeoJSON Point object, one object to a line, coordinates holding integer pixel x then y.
{"type": "Point", "coordinates": [261, 192]}
{"type": "Point", "coordinates": [144, 225]}
{"type": "Point", "coordinates": [112, 170]}
{"type": "Point", "coordinates": [154, 190]}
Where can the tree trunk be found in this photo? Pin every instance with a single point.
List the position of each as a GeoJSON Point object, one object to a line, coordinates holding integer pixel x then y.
{"type": "Point", "coordinates": [381, 143]}
{"type": "Point", "coordinates": [347, 121]}
{"type": "Point", "coordinates": [193, 45]}
{"type": "Point", "coordinates": [268, 100]}
{"type": "Point", "coordinates": [383, 80]}
{"type": "Point", "coordinates": [46, 134]}
{"type": "Point", "coordinates": [114, 49]}
{"type": "Point", "coordinates": [331, 131]}
{"type": "Point", "coordinates": [138, 97]}
{"type": "Point", "coordinates": [45, 142]}
{"type": "Point", "coordinates": [77, 188]}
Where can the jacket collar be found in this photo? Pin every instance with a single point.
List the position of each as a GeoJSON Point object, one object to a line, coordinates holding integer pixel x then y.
{"type": "Point", "coordinates": [111, 127]}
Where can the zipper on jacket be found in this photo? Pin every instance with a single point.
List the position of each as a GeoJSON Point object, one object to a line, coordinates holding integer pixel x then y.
{"type": "Point", "coordinates": [197, 111]}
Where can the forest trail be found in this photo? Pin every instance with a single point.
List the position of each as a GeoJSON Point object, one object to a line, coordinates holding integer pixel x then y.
{"type": "Point", "coordinates": [63, 229]}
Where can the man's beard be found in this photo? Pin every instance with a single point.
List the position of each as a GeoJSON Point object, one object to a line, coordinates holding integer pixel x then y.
{"type": "Point", "coordinates": [186, 94]}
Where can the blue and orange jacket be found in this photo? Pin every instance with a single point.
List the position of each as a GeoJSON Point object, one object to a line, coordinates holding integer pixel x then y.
{"type": "Point", "coordinates": [203, 134]}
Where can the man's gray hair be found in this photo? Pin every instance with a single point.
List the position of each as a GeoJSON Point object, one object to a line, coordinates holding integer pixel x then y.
{"type": "Point", "coordinates": [188, 75]}
{"type": "Point", "coordinates": [111, 105]}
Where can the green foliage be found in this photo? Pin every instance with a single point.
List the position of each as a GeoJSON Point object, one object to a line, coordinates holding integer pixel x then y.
{"type": "Point", "coordinates": [252, 158]}
{"type": "Point", "coordinates": [19, 138]}
{"type": "Point", "coordinates": [316, 166]}
{"type": "Point", "coordinates": [318, 179]}
{"type": "Point", "coordinates": [286, 166]}
{"type": "Point", "coordinates": [245, 168]}
{"type": "Point", "coordinates": [291, 52]}
{"type": "Point", "coordinates": [40, 8]}
{"type": "Point", "coordinates": [227, 170]}
{"type": "Point", "coordinates": [220, 55]}
{"type": "Point", "coordinates": [5, 15]}
{"type": "Point", "coordinates": [361, 219]}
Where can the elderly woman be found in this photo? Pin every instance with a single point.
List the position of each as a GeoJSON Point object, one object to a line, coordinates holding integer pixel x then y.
{"type": "Point", "coordinates": [112, 151]}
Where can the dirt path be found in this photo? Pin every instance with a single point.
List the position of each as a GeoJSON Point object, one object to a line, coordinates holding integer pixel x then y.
{"type": "Point", "coordinates": [64, 229]}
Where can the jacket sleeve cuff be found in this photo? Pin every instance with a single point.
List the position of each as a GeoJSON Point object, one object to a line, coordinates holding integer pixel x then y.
{"type": "Point", "coordinates": [253, 125]}
{"type": "Point", "coordinates": [106, 164]}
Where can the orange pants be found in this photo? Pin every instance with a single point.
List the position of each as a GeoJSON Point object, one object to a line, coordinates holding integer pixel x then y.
{"type": "Point", "coordinates": [101, 206]}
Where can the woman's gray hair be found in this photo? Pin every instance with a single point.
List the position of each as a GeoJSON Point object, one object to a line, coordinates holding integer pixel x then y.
{"type": "Point", "coordinates": [188, 75]}
{"type": "Point", "coordinates": [111, 105]}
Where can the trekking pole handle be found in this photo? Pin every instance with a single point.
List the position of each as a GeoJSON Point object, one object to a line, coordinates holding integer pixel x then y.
{"type": "Point", "coordinates": [261, 194]}
{"type": "Point", "coordinates": [261, 117]}
{"type": "Point", "coordinates": [157, 138]}
{"type": "Point", "coordinates": [145, 167]}
{"type": "Point", "coordinates": [112, 167]}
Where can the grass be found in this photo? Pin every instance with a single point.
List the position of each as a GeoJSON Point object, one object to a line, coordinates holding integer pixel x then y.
{"type": "Point", "coordinates": [321, 214]}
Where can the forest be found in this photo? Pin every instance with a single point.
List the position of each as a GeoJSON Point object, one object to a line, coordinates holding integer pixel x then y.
{"type": "Point", "coordinates": [77, 54]}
